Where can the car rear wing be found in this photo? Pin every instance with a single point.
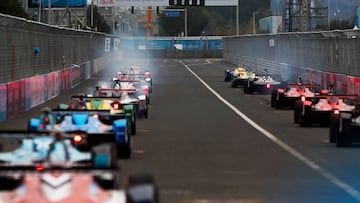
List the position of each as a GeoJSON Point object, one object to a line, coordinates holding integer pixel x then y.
{"type": "Point", "coordinates": [21, 134]}
{"type": "Point", "coordinates": [39, 168]}
{"type": "Point", "coordinates": [118, 90]}
{"type": "Point", "coordinates": [80, 111]}
{"type": "Point", "coordinates": [303, 85]}
{"type": "Point", "coordinates": [339, 96]}
{"type": "Point", "coordinates": [87, 98]}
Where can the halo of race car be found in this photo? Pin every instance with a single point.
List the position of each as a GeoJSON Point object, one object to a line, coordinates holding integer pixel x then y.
{"type": "Point", "coordinates": [70, 153]}
{"type": "Point", "coordinates": [312, 106]}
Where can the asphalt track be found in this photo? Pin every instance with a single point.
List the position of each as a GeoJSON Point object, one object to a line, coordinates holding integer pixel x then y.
{"type": "Point", "coordinates": [206, 142]}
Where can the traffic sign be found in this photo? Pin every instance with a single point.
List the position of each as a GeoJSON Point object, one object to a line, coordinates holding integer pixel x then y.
{"type": "Point", "coordinates": [172, 14]}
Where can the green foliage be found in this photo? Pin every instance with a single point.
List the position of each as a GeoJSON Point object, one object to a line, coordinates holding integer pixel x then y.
{"type": "Point", "coordinates": [99, 22]}
{"type": "Point", "coordinates": [12, 7]}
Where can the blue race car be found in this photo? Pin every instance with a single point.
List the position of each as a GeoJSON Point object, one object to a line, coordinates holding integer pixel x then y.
{"type": "Point", "coordinates": [94, 123]}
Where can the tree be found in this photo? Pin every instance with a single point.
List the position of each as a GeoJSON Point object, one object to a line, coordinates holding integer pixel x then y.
{"type": "Point", "coordinates": [13, 7]}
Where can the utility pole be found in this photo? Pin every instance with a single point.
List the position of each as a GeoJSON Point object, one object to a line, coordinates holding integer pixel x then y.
{"type": "Point", "coordinates": [49, 12]}
{"type": "Point", "coordinates": [149, 25]}
{"type": "Point", "coordinates": [254, 21]}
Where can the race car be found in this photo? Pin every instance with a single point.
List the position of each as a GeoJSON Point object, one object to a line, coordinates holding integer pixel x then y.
{"type": "Point", "coordinates": [286, 97]}
{"type": "Point", "coordinates": [28, 149]}
{"type": "Point", "coordinates": [119, 107]}
{"type": "Point", "coordinates": [137, 73]}
{"type": "Point", "coordinates": [319, 109]}
{"type": "Point", "coordinates": [59, 179]}
{"type": "Point", "coordinates": [91, 122]}
{"type": "Point", "coordinates": [135, 88]}
{"type": "Point", "coordinates": [262, 84]}
{"type": "Point", "coordinates": [345, 127]}
{"type": "Point", "coordinates": [240, 76]}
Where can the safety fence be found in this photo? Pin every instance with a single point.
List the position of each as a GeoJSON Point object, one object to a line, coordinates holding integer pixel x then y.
{"type": "Point", "coordinates": [326, 58]}
{"type": "Point", "coordinates": [329, 51]}
{"type": "Point", "coordinates": [39, 62]}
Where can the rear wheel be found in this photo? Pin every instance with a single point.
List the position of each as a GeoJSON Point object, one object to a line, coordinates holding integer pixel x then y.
{"type": "Point", "coordinates": [342, 139]}
{"type": "Point", "coordinates": [141, 188]}
{"type": "Point", "coordinates": [273, 98]}
{"type": "Point", "coordinates": [297, 110]}
{"type": "Point", "coordinates": [279, 101]}
{"type": "Point", "coordinates": [125, 149]}
{"type": "Point", "coordinates": [305, 118]}
{"type": "Point", "coordinates": [104, 155]}
{"type": "Point", "coordinates": [334, 128]}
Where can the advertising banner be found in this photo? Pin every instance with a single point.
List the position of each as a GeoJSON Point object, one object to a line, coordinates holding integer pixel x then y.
{"type": "Point", "coordinates": [357, 85]}
{"type": "Point", "coordinates": [15, 98]}
{"type": "Point", "coordinates": [35, 91]}
{"type": "Point", "coordinates": [3, 102]}
{"type": "Point", "coordinates": [221, 2]}
{"type": "Point", "coordinates": [141, 2]}
{"type": "Point", "coordinates": [75, 76]}
{"type": "Point", "coordinates": [65, 80]}
{"type": "Point", "coordinates": [53, 85]}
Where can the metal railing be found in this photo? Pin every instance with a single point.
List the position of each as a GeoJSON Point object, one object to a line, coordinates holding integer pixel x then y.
{"type": "Point", "coordinates": [29, 48]}
{"type": "Point", "coordinates": [331, 51]}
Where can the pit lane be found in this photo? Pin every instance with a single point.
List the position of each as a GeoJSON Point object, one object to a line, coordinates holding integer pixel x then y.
{"type": "Point", "coordinates": [200, 150]}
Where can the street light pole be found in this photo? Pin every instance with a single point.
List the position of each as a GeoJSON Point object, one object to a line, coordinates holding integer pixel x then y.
{"type": "Point", "coordinates": [254, 22]}
{"type": "Point", "coordinates": [237, 19]}
{"type": "Point", "coordinates": [186, 32]}
{"type": "Point", "coordinates": [329, 21]}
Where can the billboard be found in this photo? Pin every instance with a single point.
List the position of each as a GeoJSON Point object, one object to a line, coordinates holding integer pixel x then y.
{"type": "Point", "coordinates": [221, 2]}
{"type": "Point", "coordinates": [57, 3]}
{"type": "Point", "coordinates": [141, 2]}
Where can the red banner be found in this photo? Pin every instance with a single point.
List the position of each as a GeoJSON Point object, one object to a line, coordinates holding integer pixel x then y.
{"type": "Point", "coordinates": [15, 98]}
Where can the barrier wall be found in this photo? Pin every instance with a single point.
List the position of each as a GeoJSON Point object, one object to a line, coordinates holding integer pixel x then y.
{"type": "Point", "coordinates": [53, 85]}
{"type": "Point", "coordinates": [15, 98]}
{"type": "Point", "coordinates": [3, 102]}
{"type": "Point", "coordinates": [35, 91]}
{"type": "Point", "coordinates": [22, 95]}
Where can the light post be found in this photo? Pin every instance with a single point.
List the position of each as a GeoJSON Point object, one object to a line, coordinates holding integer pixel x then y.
{"type": "Point", "coordinates": [254, 21]}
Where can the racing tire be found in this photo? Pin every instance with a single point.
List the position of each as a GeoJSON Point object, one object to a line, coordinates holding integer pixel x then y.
{"type": "Point", "coordinates": [334, 128]}
{"type": "Point", "coordinates": [108, 149]}
{"type": "Point", "coordinates": [9, 183]}
{"type": "Point", "coordinates": [146, 112]}
{"type": "Point", "coordinates": [234, 84]}
{"type": "Point", "coordinates": [133, 124]}
{"type": "Point", "coordinates": [134, 183]}
{"type": "Point", "coordinates": [273, 98]}
{"type": "Point", "coordinates": [125, 149]}
{"type": "Point", "coordinates": [279, 101]}
{"type": "Point", "coordinates": [305, 117]}
{"type": "Point", "coordinates": [342, 139]}
{"type": "Point", "coordinates": [297, 110]}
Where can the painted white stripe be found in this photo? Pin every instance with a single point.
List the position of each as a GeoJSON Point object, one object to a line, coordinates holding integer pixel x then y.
{"type": "Point", "coordinates": [336, 181]}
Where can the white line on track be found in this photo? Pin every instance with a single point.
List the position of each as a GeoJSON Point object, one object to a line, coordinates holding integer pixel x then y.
{"type": "Point", "coordinates": [327, 175]}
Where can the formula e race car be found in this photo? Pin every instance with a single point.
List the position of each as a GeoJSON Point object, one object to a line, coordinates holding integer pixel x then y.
{"type": "Point", "coordinates": [345, 127]}
{"type": "Point", "coordinates": [319, 109]}
{"type": "Point", "coordinates": [91, 122]}
{"type": "Point", "coordinates": [240, 76]}
{"type": "Point", "coordinates": [262, 84]}
{"type": "Point", "coordinates": [136, 73]}
{"type": "Point", "coordinates": [42, 171]}
{"type": "Point", "coordinates": [119, 107]}
{"type": "Point", "coordinates": [286, 97]}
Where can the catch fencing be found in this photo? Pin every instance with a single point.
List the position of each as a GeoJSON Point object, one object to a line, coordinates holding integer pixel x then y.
{"type": "Point", "coordinates": [39, 61]}
{"type": "Point", "coordinates": [329, 57]}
